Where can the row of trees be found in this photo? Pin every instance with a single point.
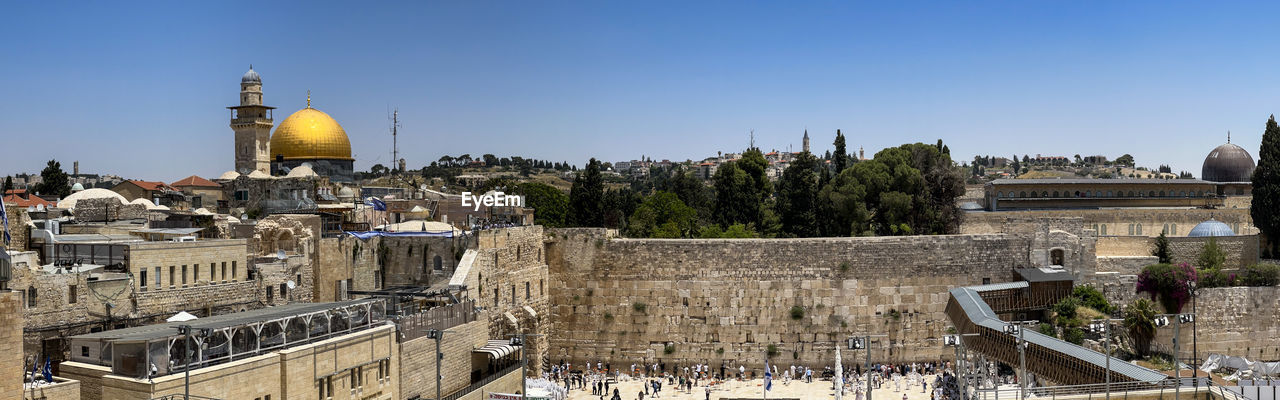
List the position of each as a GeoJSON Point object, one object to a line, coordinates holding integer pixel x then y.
{"type": "Point", "coordinates": [904, 190]}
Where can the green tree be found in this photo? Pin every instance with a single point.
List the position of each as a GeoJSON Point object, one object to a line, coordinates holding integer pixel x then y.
{"type": "Point", "coordinates": [1126, 160]}
{"type": "Point", "coordinates": [1092, 298]}
{"type": "Point", "coordinates": [692, 191]}
{"type": "Point", "coordinates": [53, 181]}
{"type": "Point", "coordinates": [735, 231]}
{"type": "Point", "coordinates": [1139, 321]}
{"type": "Point", "coordinates": [1162, 249]}
{"type": "Point", "coordinates": [797, 197]}
{"type": "Point", "coordinates": [737, 199]}
{"type": "Point", "coordinates": [663, 215]}
{"type": "Point", "coordinates": [586, 197]}
{"type": "Point", "coordinates": [550, 205]}
{"type": "Point", "coordinates": [1016, 166]}
{"type": "Point", "coordinates": [1265, 208]}
{"type": "Point", "coordinates": [840, 159]}
{"type": "Point", "coordinates": [1211, 256]}
{"type": "Point", "coordinates": [8, 185]}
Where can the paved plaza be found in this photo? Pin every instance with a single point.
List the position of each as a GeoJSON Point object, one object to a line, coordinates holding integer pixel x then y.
{"type": "Point", "coordinates": [819, 389]}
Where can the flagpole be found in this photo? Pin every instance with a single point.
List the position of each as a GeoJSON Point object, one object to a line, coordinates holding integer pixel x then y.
{"type": "Point", "coordinates": [764, 387]}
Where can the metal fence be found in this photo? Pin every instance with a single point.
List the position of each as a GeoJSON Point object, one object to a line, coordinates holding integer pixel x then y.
{"type": "Point", "coordinates": [480, 383]}
{"type": "Point", "coordinates": [417, 325]}
{"type": "Point", "coordinates": [1118, 390]}
{"type": "Point", "coordinates": [1257, 389]}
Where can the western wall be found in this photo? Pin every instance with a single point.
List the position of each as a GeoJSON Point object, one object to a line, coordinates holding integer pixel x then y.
{"type": "Point", "coordinates": [683, 301]}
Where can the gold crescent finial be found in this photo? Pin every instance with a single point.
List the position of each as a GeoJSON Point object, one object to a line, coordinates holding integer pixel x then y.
{"type": "Point", "coordinates": [308, 99]}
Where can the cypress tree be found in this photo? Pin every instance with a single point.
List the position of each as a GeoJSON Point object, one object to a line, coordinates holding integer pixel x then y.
{"type": "Point", "coordinates": [841, 156]}
{"type": "Point", "coordinates": [1266, 186]}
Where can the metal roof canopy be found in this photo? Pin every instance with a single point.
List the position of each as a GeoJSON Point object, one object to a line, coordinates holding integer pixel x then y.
{"type": "Point", "coordinates": [1044, 274]}
{"type": "Point", "coordinates": [170, 329]}
{"type": "Point", "coordinates": [982, 315]}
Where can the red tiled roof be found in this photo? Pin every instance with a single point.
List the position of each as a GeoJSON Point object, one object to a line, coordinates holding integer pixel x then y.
{"type": "Point", "coordinates": [32, 202]}
{"type": "Point", "coordinates": [150, 186]}
{"type": "Point", "coordinates": [15, 191]}
{"type": "Point", "coordinates": [194, 181]}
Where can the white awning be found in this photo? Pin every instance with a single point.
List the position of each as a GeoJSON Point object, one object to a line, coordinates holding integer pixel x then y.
{"type": "Point", "coordinates": [497, 348]}
{"type": "Point", "coordinates": [532, 314]}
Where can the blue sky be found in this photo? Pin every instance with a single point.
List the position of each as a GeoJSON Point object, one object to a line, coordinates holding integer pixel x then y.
{"type": "Point", "coordinates": [140, 89]}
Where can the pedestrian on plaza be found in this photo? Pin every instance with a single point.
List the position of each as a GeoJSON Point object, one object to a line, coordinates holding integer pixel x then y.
{"type": "Point", "coordinates": [708, 390]}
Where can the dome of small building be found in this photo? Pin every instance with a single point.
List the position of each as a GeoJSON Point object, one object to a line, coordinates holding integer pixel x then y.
{"type": "Point", "coordinates": [77, 187]}
{"type": "Point", "coordinates": [1228, 163]}
{"type": "Point", "coordinates": [69, 202]}
{"type": "Point", "coordinates": [346, 193]}
{"type": "Point", "coordinates": [301, 171]}
{"type": "Point", "coordinates": [1211, 228]}
{"type": "Point", "coordinates": [256, 174]}
{"type": "Point", "coordinates": [251, 76]}
{"type": "Point", "coordinates": [228, 176]}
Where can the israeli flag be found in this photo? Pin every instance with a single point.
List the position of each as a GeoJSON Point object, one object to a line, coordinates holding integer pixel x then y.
{"type": "Point", "coordinates": [4, 218]}
{"type": "Point", "coordinates": [48, 370]}
{"type": "Point", "coordinates": [768, 376]}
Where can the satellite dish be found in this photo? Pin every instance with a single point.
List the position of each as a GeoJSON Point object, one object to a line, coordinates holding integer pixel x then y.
{"type": "Point", "coordinates": [280, 255]}
{"type": "Point", "coordinates": [291, 285]}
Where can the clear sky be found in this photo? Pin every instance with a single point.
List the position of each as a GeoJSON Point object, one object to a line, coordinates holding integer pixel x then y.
{"type": "Point", "coordinates": [140, 89]}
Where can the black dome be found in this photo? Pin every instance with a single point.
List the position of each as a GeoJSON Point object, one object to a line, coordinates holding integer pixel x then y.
{"type": "Point", "coordinates": [1228, 163]}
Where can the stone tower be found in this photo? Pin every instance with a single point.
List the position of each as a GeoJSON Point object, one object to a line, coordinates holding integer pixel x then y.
{"type": "Point", "coordinates": [805, 146]}
{"type": "Point", "coordinates": [252, 123]}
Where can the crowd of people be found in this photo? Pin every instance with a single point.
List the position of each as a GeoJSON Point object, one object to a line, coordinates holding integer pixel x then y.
{"type": "Point", "coordinates": [601, 379]}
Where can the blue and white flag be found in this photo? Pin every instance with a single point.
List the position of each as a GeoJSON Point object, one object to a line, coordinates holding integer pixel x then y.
{"type": "Point", "coordinates": [768, 376]}
{"type": "Point", "coordinates": [48, 370]}
{"type": "Point", "coordinates": [4, 218]}
{"type": "Point", "coordinates": [378, 205]}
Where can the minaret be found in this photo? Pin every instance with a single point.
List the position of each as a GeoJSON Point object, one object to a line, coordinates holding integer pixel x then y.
{"type": "Point", "coordinates": [252, 123]}
{"type": "Point", "coordinates": [805, 146]}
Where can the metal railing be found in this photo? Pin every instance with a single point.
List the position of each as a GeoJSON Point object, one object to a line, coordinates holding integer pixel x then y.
{"type": "Point", "coordinates": [416, 325]}
{"type": "Point", "coordinates": [1119, 390]}
{"type": "Point", "coordinates": [482, 382]}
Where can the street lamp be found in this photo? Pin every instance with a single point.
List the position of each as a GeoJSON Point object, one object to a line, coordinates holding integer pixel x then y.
{"type": "Point", "coordinates": [518, 340]}
{"type": "Point", "coordinates": [1103, 326]}
{"type": "Point", "coordinates": [437, 335]}
{"type": "Point", "coordinates": [864, 343]}
{"type": "Point", "coordinates": [1162, 320]}
{"type": "Point", "coordinates": [186, 331]}
{"type": "Point", "coordinates": [1015, 328]}
{"type": "Point", "coordinates": [957, 341]}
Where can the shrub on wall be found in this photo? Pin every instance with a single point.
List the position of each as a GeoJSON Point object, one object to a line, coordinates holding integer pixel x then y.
{"type": "Point", "coordinates": [797, 313]}
{"type": "Point", "coordinates": [639, 307]}
{"type": "Point", "coordinates": [1260, 275]}
{"type": "Point", "coordinates": [1092, 298]}
{"type": "Point", "coordinates": [1168, 284]}
{"type": "Point", "coordinates": [1073, 335]}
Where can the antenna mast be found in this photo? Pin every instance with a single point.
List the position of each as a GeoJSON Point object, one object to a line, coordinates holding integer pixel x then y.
{"type": "Point", "coordinates": [395, 151]}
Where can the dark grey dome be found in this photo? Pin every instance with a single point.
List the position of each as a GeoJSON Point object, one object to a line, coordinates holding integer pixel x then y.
{"type": "Point", "coordinates": [1211, 228]}
{"type": "Point", "coordinates": [251, 76]}
{"type": "Point", "coordinates": [1228, 163]}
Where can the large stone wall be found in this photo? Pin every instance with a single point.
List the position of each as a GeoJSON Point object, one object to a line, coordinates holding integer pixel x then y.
{"type": "Point", "coordinates": [623, 300]}
{"type": "Point", "coordinates": [11, 356]}
{"type": "Point", "coordinates": [1240, 250]}
{"type": "Point", "coordinates": [107, 209]}
{"type": "Point", "coordinates": [1237, 321]}
{"type": "Point", "coordinates": [1117, 221]}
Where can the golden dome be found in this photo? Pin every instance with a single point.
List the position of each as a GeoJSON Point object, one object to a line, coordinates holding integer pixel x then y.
{"type": "Point", "coordinates": [310, 134]}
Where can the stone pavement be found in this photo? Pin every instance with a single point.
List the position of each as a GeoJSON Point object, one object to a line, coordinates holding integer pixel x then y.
{"type": "Point", "coordinates": [819, 389]}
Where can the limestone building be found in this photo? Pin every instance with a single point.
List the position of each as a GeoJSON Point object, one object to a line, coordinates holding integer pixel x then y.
{"type": "Point", "coordinates": [252, 122]}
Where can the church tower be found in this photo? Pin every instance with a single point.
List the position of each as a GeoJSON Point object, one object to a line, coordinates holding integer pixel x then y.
{"type": "Point", "coordinates": [805, 146]}
{"type": "Point", "coordinates": [252, 123]}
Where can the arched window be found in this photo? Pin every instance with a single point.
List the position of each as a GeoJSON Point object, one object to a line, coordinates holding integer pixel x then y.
{"type": "Point", "coordinates": [1055, 193]}
{"type": "Point", "coordinates": [1162, 193]}
{"type": "Point", "coordinates": [439, 263]}
{"type": "Point", "coordinates": [1111, 193]}
{"type": "Point", "coordinates": [999, 194]}
{"type": "Point", "coordinates": [1152, 194]}
{"type": "Point", "coordinates": [1056, 256]}
{"type": "Point", "coordinates": [1077, 193]}
{"type": "Point", "coordinates": [1022, 194]}
{"type": "Point", "coordinates": [1130, 193]}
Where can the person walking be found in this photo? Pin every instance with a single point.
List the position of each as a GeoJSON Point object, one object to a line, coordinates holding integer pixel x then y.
{"type": "Point", "coordinates": [708, 391]}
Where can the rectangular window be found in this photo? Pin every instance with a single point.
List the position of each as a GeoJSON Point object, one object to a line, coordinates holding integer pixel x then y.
{"type": "Point", "coordinates": [195, 274]}
{"type": "Point", "coordinates": [284, 291]}
{"type": "Point", "coordinates": [270, 295]}
{"type": "Point", "coordinates": [71, 294]}
{"type": "Point", "coordinates": [142, 277]}
{"type": "Point", "coordinates": [496, 303]}
{"type": "Point", "coordinates": [526, 291]}
{"type": "Point", "coordinates": [513, 295]}
{"type": "Point", "coordinates": [158, 278]}
{"type": "Point", "coordinates": [184, 276]}
{"type": "Point", "coordinates": [84, 351]}
{"type": "Point", "coordinates": [353, 379]}
{"type": "Point", "coordinates": [172, 271]}
{"type": "Point", "coordinates": [540, 291]}
{"type": "Point", "coordinates": [1139, 229]}
{"type": "Point", "coordinates": [234, 275]}
{"type": "Point", "coordinates": [224, 271]}
{"type": "Point", "coordinates": [212, 268]}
